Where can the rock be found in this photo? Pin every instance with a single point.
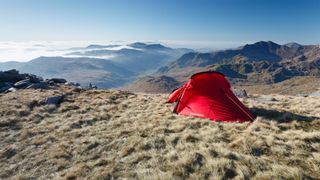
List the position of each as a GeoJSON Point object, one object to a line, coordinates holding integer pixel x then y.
{"type": "Point", "coordinates": [72, 84]}
{"type": "Point", "coordinates": [55, 100]}
{"type": "Point", "coordinates": [303, 95]}
{"type": "Point", "coordinates": [40, 85]}
{"type": "Point", "coordinates": [57, 80]}
{"type": "Point", "coordinates": [22, 84]}
{"type": "Point", "coordinates": [256, 152]}
{"type": "Point", "coordinates": [92, 86]}
{"type": "Point", "coordinates": [240, 93]}
{"type": "Point", "coordinates": [51, 83]}
{"type": "Point", "coordinates": [8, 153]}
{"type": "Point", "coordinates": [11, 76]}
{"type": "Point", "coordinates": [315, 94]}
{"type": "Point", "coordinates": [34, 78]}
{"type": "Point", "coordinates": [12, 89]}
{"type": "Point", "coordinates": [4, 87]}
{"type": "Point", "coordinates": [267, 98]}
{"type": "Point", "coordinates": [75, 126]}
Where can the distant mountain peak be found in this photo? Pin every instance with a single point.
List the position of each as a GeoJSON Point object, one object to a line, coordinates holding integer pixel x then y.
{"type": "Point", "coordinates": [266, 43]}
{"type": "Point", "coordinates": [259, 45]}
{"type": "Point", "coordinates": [138, 45]}
{"type": "Point", "coordinates": [293, 45]}
{"type": "Point", "coordinates": [97, 46]}
{"type": "Point", "coordinates": [141, 45]}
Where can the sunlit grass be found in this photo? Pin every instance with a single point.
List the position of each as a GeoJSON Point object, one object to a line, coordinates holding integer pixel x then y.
{"type": "Point", "coordinates": [114, 134]}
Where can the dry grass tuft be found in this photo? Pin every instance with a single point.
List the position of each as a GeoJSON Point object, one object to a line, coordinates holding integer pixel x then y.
{"type": "Point", "coordinates": [102, 134]}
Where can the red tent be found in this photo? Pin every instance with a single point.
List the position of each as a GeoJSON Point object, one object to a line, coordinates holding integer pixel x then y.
{"type": "Point", "coordinates": [208, 95]}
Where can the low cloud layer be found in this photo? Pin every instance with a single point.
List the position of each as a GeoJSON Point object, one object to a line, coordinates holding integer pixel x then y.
{"type": "Point", "coordinates": [26, 51]}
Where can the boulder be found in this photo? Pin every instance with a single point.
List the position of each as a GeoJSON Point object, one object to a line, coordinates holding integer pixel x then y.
{"type": "Point", "coordinates": [11, 76]}
{"type": "Point", "coordinates": [240, 93]}
{"type": "Point", "coordinates": [40, 85]}
{"type": "Point", "coordinates": [22, 84]}
{"type": "Point", "coordinates": [57, 80]}
{"type": "Point", "coordinates": [12, 89]}
{"type": "Point", "coordinates": [72, 84]}
{"type": "Point", "coordinates": [55, 100]}
{"type": "Point", "coordinates": [4, 86]}
{"type": "Point", "coordinates": [34, 78]}
{"type": "Point", "coordinates": [50, 83]}
{"type": "Point", "coordinates": [92, 86]}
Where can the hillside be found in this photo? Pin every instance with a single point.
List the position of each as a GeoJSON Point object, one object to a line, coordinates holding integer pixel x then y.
{"type": "Point", "coordinates": [102, 134]}
{"type": "Point", "coordinates": [107, 66]}
{"type": "Point", "coordinates": [82, 70]}
{"type": "Point", "coordinates": [300, 85]}
{"type": "Point", "coordinates": [261, 62]}
{"type": "Point", "coordinates": [150, 84]}
{"type": "Point", "coordinates": [137, 57]}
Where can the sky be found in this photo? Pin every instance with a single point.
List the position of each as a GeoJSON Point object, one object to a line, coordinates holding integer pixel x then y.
{"type": "Point", "coordinates": [193, 23]}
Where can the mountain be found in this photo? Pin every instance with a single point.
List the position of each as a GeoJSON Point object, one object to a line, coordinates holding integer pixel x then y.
{"type": "Point", "coordinates": [107, 66]}
{"type": "Point", "coordinates": [293, 45]}
{"type": "Point", "coordinates": [137, 57]}
{"type": "Point", "coordinates": [261, 62]}
{"type": "Point", "coordinates": [157, 47]}
{"type": "Point", "coordinates": [82, 70]}
{"type": "Point", "coordinates": [97, 46]}
{"type": "Point", "coordinates": [92, 46]}
{"type": "Point", "coordinates": [251, 52]}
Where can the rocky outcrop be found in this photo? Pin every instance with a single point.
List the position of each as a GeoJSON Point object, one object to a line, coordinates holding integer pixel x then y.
{"type": "Point", "coordinates": [54, 100]}
{"type": "Point", "coordinates": [4, 86]}
{"type": "Point", "coordinates": [12, 80]}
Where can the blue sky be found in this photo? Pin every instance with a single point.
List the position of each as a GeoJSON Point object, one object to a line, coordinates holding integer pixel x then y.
{"type": "Point", "coordinates": [177, 20]}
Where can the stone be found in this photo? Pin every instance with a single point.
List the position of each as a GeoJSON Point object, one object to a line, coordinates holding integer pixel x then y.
{"type": "Point", "coordinates": [34, 78]}
{"type": "Point", "coordinates": [12, 89]}
{"type": "Point", "coordinates": [4, 87]}
{"type": "Point", "coordinates": [57, 80]}
{"type": "Point", "coordinates": [92, 86]}
{"type": "Point", "coordinates": [40, 85]}
{"type": "Point", "coordinates": [22, 84]}
{"type": "Point", "coordinates": [11, 76]}
{"type": "Point", "coordinates": [51, 83]}
{"type": "Point", "coordinates": [72, 84]}
{"type": "Point", "coordinates": [240, 93]}
{"type": "Point", "coordinates": [55, 100]}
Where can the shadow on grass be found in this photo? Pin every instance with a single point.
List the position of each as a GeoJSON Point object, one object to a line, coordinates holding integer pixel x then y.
{"type": "Point", "coordinates": [281, 116]}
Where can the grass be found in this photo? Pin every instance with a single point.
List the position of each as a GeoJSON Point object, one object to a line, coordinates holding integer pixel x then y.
{"type": "Point", "coordinates": [300, 85]}
{"type": "Point", "coordinates": [102, 134]}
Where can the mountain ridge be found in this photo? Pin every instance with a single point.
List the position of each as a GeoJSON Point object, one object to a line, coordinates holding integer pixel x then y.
{"type": "Point", "coordinates": [262, 56]}
{"type": "Point", "coordinates": [263, 62]}
{"type": "Point", "coordinates": [107, 66]}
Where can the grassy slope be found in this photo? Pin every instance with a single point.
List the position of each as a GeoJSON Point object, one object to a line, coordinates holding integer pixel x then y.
{"type": "Point", "coordinates": [111, 134]}
{"type": "Point", "coordinates": [296, 85]}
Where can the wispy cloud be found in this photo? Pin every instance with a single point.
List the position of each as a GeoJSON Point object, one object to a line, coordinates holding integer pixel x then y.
{"type": "Point", "coordinates": [25, 51]}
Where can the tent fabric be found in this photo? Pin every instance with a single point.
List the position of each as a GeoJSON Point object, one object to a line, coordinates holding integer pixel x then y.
{"type": "Point", "coordinates": [209, 95]}
{"type": "Point", "coordinates": [174, 95]}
